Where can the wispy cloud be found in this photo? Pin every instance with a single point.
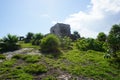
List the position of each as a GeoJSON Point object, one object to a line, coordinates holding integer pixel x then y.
{"type": "Point", "coordinates": [96, 19]}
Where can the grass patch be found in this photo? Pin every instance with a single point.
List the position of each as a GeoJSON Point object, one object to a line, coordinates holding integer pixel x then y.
{"type": "Point", "coordinates": [27, 57]}
{"type": "Point", "coordinates": [91, 64]}
{"type": "Point", "coordinates": [35, 68]}
{"type": "Point", "coordinates": [28, 45]}
{"type": "Point", "coordinates": [31, 58]}
{"type": "Point", "coordinates": [88, 64]}
{"type": "Point", "coordinates": [16, 74]}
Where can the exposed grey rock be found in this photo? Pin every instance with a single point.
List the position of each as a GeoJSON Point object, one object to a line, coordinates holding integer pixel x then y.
{"type": "Point", "coordinates": [64, 77]}
{"type": "Point", "coordinates": [21, 51]}
{"type": "Point", "coordinates": [1, 60]}
{"type": "Point", "coordinates": [61, 30]}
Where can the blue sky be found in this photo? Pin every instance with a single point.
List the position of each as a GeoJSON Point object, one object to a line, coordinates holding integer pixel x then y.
{"type": "Point", "coordinates": [89, 17]}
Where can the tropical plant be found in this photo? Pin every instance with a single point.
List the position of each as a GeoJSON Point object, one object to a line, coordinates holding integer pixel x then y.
{"type": "Point", "coordinates": [37, 38]}
{"type": "Point", "coordinates": [9, 43]}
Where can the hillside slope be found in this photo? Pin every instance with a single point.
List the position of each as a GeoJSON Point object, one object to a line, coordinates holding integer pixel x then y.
{"type": "Point", "coordinates": [69, 65]}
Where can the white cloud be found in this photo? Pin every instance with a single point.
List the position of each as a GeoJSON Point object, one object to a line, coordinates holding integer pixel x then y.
{"type": "Point", "coordinates": [92, 22]}
{"type": "Point", "coordinates": [106, 5]}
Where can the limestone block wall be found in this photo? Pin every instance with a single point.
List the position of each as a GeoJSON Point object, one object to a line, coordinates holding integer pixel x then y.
{"type": "Point", "coordinates": [61, 30]}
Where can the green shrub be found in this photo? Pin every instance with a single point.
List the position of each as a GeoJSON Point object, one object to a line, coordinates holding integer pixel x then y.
{"type": "Point", "coordinates": [89, 44]}
{"type": "Point", "coordinates": [37, 39]}
{"type": "Point", "coordinates": [50, 43]}
{"type": "Point", "coordinates": [113, 39]}
{"type": "Point", "coordinates": [2, 56]}
{"type": "Point", "coordinates": [35, 68]}
{"type": "Point", "coordinates": [75, 36]}
{"type": "Point", "coordinates": [29, 37]}
{"type": "Point", "coordinates": [66, 43]}
{"type": "Point", "coordinates": [36, 42]}
{"type": "Point", "coordinates": [101, 37]}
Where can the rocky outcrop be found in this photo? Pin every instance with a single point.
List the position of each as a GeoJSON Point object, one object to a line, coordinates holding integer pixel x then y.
{"type": "Point", "coordinates": [61, 30]}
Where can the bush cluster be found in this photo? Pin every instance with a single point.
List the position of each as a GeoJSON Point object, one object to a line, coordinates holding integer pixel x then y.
{"type": "Point", "coordinates": [89, 44]}
{"type": "Point", "coordinates": [50, 43]}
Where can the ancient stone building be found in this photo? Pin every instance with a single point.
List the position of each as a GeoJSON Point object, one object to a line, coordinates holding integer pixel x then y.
{"type": "Point", "coordinates": [61, 30]}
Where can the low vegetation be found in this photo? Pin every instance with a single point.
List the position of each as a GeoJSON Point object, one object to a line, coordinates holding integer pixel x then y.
{"type": "Point", "coordinates": [88, 64]}
{"type": "Point", "coordinates": [27, 58]}
{"type": "Point", "coordinates": [89, 44]}
{"type": "Point", "coordinates": [74, 58]}
{"type": "Point", "coordinates": [35, 68]}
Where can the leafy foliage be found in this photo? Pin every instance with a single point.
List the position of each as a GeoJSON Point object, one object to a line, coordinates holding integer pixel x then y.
{"type": "Point", "coordinates": [102, 37]}
{"type": "Point", "coordinates": [50, 43]}
{"type": "Point", "coordinates": [75, 36]}
{"type": "Point", "coordinates": [87, 63]}
{"type": "Point", "coordinates": [29, 37]}
{"type": "Point", "coordinates": [114, 39]}
{"type": "Point", "coordinates": [9, 43]}
{"type": "Point", "coordinates": [37, 39]}
{"type": "Point", "coordinates": [66, 43]}
{"type": "Point", "coordinates": [89, 44]}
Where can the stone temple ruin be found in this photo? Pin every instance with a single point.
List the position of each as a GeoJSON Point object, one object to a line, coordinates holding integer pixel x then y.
{"type": "Point", "coordinates": [61, 30]}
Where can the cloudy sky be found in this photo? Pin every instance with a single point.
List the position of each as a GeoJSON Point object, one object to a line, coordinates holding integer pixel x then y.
{"type": "Point", "coordinates": [88, 17]}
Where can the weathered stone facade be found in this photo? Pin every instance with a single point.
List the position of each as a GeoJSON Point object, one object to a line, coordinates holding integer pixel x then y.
{"type": "Point", "coordinates": [61, 30]}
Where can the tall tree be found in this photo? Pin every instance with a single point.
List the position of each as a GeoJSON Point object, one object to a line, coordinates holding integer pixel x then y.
{"type": "Point", "coordinates": [29, 37]}
{"type": "Point", "coordinates": [114, 39]}
{"type": "Point", "coordinates": [75, 35]}
{"type": "Point", "coordinates": [102, 37]}
{"type": "Point", "coordinates": [37, 38]}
